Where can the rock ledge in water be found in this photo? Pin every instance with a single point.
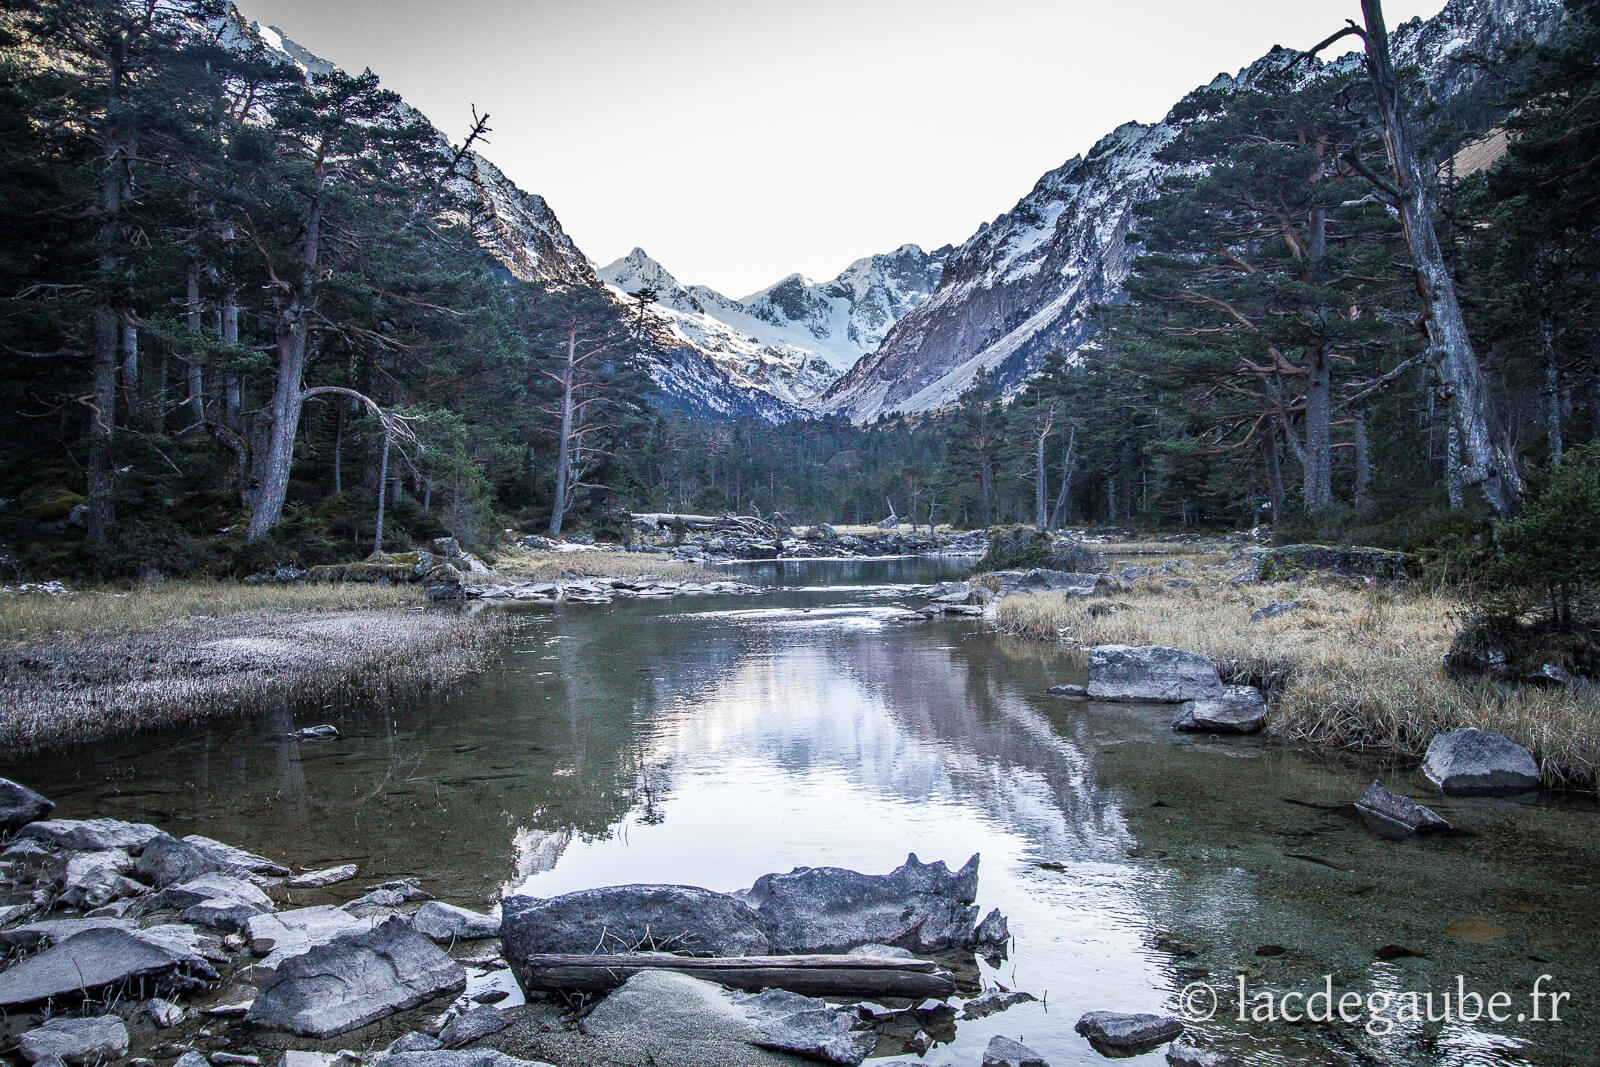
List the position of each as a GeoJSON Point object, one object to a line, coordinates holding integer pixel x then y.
{"type": "Point", "coordinates": [1393, 816]}
{"type": "Point", "coordinates": [1151, 674]}
{"type": "Point", "coordinates": [1139, 1031]}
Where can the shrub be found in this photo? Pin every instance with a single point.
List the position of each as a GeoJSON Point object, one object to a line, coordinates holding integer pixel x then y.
{"type": "Point", "coordinates": [1551, 551]}
{"type": "Point", "coordinates": [1021, 548]}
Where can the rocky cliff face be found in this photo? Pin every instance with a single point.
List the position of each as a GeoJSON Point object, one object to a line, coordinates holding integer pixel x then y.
{"type": "Point", "coordinates": [1026, 282]}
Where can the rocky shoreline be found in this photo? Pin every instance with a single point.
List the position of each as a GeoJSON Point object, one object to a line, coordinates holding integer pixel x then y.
{"type": "Point", "coordinates": [127, 944]}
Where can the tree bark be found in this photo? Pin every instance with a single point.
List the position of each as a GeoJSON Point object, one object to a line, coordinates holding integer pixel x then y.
{"type": "Point", "coordinates": [1066, 479]}
{"type": "Point", "coordinates": [1454, 481]}
{"type": "Point", "coordinates": [194, 378]}
{"type": "Point", "coordinates": [1319, 436]}
{"type": "Point", "coordinates": [383, 476]}
{"type": "Point", "coordinates": [1552, 395]}
{"type": "Point", "coordinates": [564, 441]}
{"type": "Point", "coordinates": [1484, 465]}
{"type": "Point", "coordinates": [102, 413]}
{"type": "Point", "coordinates": [1275, 491]}
{"type": "Point", "coordinates": [293, 331]}
{"type": "Point", "coordinates": [1363, 461]}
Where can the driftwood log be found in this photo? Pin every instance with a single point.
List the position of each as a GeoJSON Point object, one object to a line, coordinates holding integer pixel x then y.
{"type": "Point", "coordinates": [844, 976]}
{"type": "Point", "coordinates": [736, 524]}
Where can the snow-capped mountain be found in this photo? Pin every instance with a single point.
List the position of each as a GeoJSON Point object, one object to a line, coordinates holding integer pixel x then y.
{"type": "Point", "coordinates": [793, 338]}
{"type": "Point", "coordinates": [1025, 282]}
{"type": "Point", "coordinates": [681, 319]}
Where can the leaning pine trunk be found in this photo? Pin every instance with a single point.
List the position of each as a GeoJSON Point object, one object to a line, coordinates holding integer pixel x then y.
{"type": "Point", "coordinates": [1484, 463]}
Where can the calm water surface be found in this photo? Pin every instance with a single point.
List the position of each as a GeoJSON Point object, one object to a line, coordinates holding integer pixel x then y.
{"type": "Point", "coordinates": [709, 741]}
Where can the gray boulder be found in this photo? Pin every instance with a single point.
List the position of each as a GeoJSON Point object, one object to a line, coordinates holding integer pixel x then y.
{"type": "Point", "coordinates": [167, 860]}
{"type": "Point", "coordinates": [672, 1020]}
{"type": "Point", "coordinates": [1127, 1033]}
{"type": "Point", "coordinates": [353, 980]}
{"type": "Point", "coordinates": [20, 806]}
{"type": "Point", "coordinates": [994, 933]}
{"type": "Point", "coordinates": [1151, 674]}
{"type": "Point", "coordinates": [100, 958]}
{"type": "Point", "coordinates": [1473, 762]}
{"type": "Point", "coordinates": [1183, 1053]}
{"type": "Point", "coordinates": [921, 906]}
{"type": "Point", "coordinates": [101, 1037]}
{"type": "Point", "coordinates": [284, 934]}
{"type": "Point", "coordinates": [164, 1013]}
{"type": "Point", "coordinates": [92, 879]}
{"type": "Point", "coordinates": [92, 835]}
{"type": "Point", "coordinates": [211, 887]}
{"type": "Point", "coordinates": [1071, 583]}
{"type": "Point", "coordinates": [1239, 709]}
{"type": "Point", "coordinates": [472, 1026]}
{"type": "Point", "coordinates": [225, 904]}
{"type": "Point", "coordinates": [1004, 1052]}
{"type": "Point", "coordinates": [1273, 610]}
{"type": "Point", "coordinates": [446, 922]}
{"type": "Point", "coordinates": [620, 918]}
{"type": "Point", "coordinates": [1393, 816]}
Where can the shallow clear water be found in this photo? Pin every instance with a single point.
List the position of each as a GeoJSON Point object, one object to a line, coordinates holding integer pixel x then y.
{"type": "Point", "coordinates": [708, 741]}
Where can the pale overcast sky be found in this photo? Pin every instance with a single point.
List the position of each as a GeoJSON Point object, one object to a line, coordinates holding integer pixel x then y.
{"type": "Point", "coordinates": [738, 141]}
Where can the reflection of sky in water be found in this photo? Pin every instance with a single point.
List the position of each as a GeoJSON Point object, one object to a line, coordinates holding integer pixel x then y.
{"type": "Point", "coordinates": [709, 741]}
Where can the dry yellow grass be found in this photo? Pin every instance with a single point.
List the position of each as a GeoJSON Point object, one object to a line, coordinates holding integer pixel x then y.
{"type": "Point", "coordinates": [538, 565]}
{"type": "Point", "coordinates": [37, 616]}
{"type": "Point", "coordinates": [1354, 667]}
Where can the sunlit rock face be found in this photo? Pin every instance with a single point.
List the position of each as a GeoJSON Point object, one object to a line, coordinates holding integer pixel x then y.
{"type": "Point", "coordinates": [1027, 281]}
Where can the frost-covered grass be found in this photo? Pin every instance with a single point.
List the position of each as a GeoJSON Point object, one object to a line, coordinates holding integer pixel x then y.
{"type": "Point", "coordinates": [32, 616]}
{"type": "Point", "coordinates": [1354, 667]}
{"type": "Point", "coordinates": [96, 682]}
{"type": "Point", "coordinates": [539, 565]}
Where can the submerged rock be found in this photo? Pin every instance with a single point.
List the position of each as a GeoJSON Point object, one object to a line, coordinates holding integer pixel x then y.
{"type": "Point", "coordinates": [921, 906]}
{"type": "Point", "coordinates": [1151, 674]}
{"type": "Point", "coordinates": [1004, 1052]}
{"type": "Point", "coordinates": [101, 1037]}
{"type": "Point", "coordinates": [20, 806]}
{"type": "Point", "coordinates": [994, 1001]}
{"type": "Point", "coordinates": [100, 958]}
{"type": "Point", "coordinates": [1183, 1053]}
{"type": "Point", "coordinates": [1239, 709]}
{"type": "Point", "coordinates": [353, 980]}
{"type": "Point", "coordinates": [1473, 762]}
{"type": "Point", "coordinates": [621, 918]}
{"type": "Point", "coordinates": [1137, 1032]}
{"type": "Point", "coordinates": [1393, 816]}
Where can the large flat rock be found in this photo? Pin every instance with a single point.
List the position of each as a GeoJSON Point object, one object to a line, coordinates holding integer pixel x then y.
{"type": "Point", "coordinates": [281, 935]}
{"type": "Point", "coordinates": [355, 979]}
{"type": "Point", "coordinates": [99, 958]}
{"type": "Point", "coordinates": [99, 1037]}
{"type": "Point", "coordinates": [1151, 673]}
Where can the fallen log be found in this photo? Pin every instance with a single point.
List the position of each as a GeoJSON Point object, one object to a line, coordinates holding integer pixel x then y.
{"type": "Point", "coordinates": [817, 976]}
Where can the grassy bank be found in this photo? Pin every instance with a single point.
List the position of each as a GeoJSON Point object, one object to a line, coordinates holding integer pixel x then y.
{"type": "Point", "coordinates": [539, 565]}
{"type": "Point", "coordinates": [87, 666]}
{"type": "Point", "coordinates": [1354, 667]}
{"type": "Point", "coordinates": [35, 616]}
